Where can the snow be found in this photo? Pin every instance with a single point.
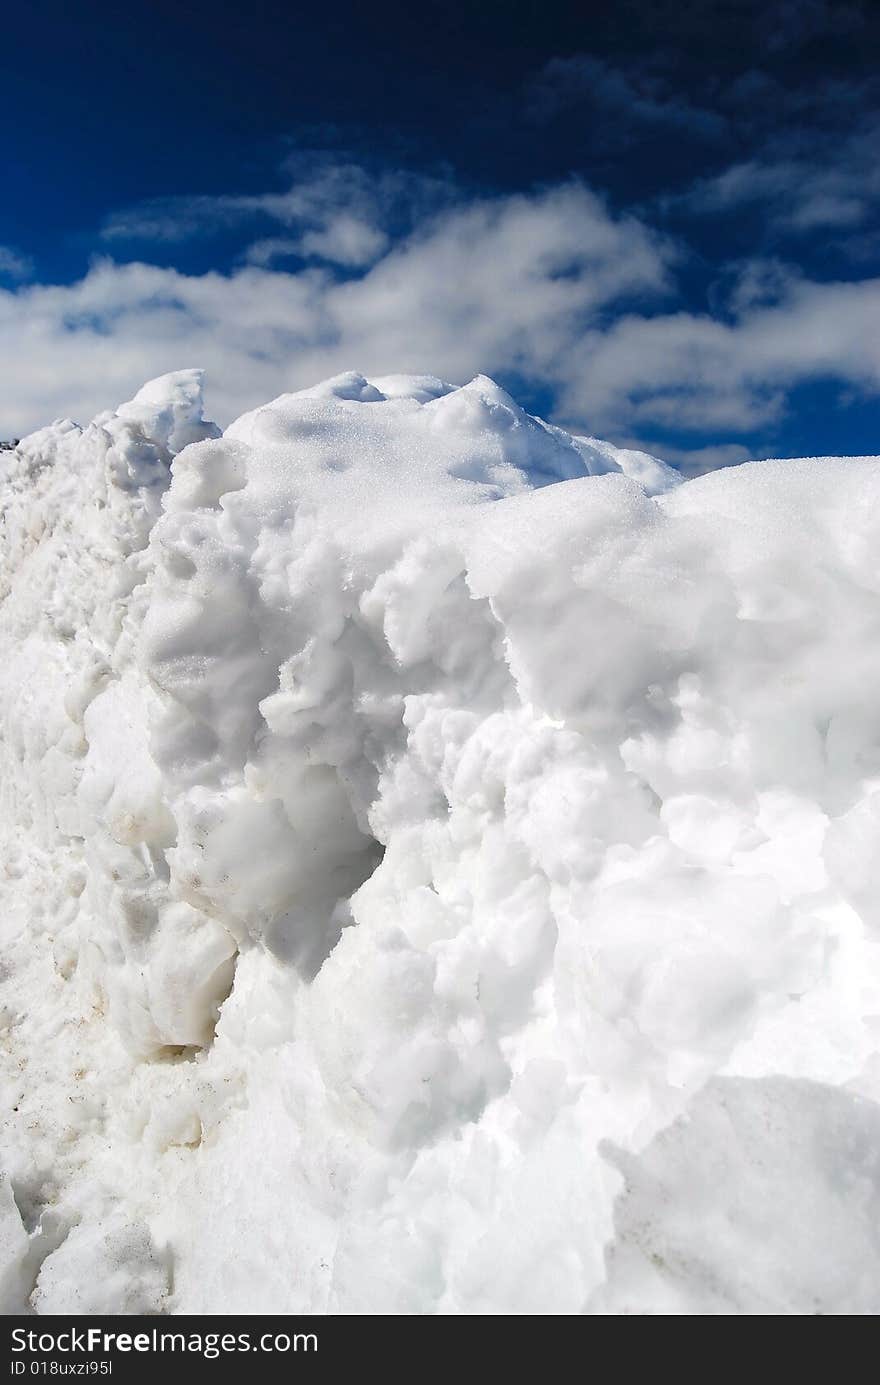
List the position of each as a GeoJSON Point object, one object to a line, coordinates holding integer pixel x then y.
{"type": "Point", "coordinates": [440, 866]}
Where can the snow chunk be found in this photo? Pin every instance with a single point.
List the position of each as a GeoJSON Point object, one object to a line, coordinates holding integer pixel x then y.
{"type": "Point", "coordinates": [442, 815]}
{"type": "Point", "coordinates": [726, 1211]}
{"type": "Point", "coordinates": [111, 1268]}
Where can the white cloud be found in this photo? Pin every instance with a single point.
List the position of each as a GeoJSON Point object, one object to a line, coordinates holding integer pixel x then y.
{"type": "Point", "coordinates": [696, 461]}
{"type": "Point", "coordinates": [687, 371]}
{"type": "Point", "coordinates": [550, 287]}
{"type": "Point", "coordinates": [271, 249]}
{"type": "Point", "coordinates": [339, 210]}
{"type": "Point", "coordinates": [343, 240]}
{"type": "Point", "coordinates": [828, 180]}
{"type": "Point", "coordinates": [504, 284]}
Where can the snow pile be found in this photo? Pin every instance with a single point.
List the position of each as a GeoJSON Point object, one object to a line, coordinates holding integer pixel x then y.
{"type": "Point", "coordinates": [441, 866]}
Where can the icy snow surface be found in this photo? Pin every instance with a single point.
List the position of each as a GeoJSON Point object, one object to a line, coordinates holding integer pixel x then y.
{"type": "Point", "coordinates": [441, 866]}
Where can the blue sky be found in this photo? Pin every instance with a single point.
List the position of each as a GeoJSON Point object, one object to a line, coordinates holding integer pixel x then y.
{"type": "Point", "coordinates": [653, 222]}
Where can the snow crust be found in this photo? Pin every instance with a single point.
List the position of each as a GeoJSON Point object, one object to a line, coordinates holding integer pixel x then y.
{"type": "Point", "coordinates": [440, 866]}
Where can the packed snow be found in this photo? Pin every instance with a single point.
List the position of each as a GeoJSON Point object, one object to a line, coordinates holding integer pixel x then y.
{"type": "Point", "coordinates": [441, 866]}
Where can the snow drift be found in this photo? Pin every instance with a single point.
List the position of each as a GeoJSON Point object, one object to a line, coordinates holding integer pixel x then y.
{"type": "Point", "coordinates": [441, 867]}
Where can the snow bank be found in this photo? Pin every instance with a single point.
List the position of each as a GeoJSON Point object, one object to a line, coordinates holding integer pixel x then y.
{"type": "Point", "coordinates": [441, 866]}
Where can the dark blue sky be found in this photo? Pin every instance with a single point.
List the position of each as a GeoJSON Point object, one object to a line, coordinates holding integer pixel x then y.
{"type": "Point", "coordinates": [741, 138]}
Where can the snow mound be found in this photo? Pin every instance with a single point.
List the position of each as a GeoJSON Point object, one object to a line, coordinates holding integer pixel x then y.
{"type": "Point", "coordinates": [440, 866]}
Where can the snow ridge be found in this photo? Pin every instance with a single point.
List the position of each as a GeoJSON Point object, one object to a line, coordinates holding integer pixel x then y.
{"type": "Point", "coordinates": [440, 865]}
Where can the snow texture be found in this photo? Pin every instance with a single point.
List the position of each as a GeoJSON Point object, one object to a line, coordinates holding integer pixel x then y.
{"type": "Point", "coordinates": [441, 866]}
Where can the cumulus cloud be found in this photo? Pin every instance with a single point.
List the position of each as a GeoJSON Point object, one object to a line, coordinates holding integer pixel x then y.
{"type": "Point", "coordinates": [550, 289]}
{"type": "Point", "coordinates": [830, 181]}
{"type": "Point", "coordinates": [689, 371]}
{"type": "Point", "coordinates": [343, 240]}
{"type": "Point", "coordinates": [502, 284]}
{"type": "Point", "coordinates": [334, 209]}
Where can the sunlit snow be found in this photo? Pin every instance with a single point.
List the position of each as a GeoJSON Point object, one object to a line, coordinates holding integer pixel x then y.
{"type": "Point", "coordinates": [441, 866]}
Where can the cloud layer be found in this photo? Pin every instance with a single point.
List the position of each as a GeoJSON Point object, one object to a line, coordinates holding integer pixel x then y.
{"type": "Point", "coordinates": [508, 284]}
{"type": "Point", "coordinates": [549, 288]}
